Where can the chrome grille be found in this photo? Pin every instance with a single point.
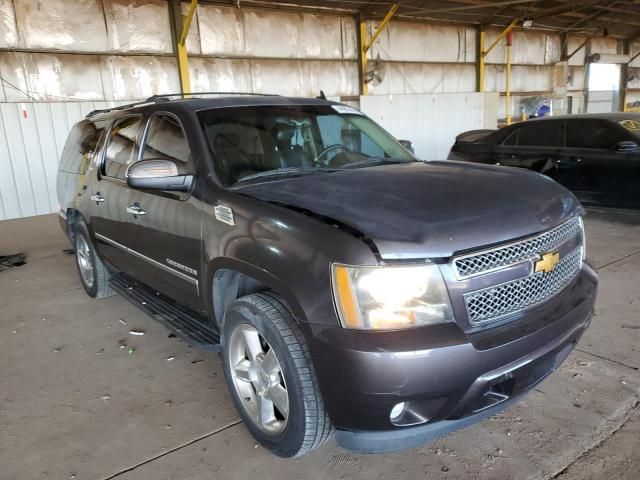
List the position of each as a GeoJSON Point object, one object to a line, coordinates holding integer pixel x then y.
{"type": "Point", "coordinates": [490, 304]}
{"type": "Point", "coordinates": [500, 257]}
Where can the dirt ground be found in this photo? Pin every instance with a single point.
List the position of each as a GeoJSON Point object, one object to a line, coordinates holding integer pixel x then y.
{"type": "Point", "coordinates": [81, 397]}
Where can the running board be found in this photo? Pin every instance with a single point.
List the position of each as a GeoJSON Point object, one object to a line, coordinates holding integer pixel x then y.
{"type": "Point", "coordinates": [190, 326]}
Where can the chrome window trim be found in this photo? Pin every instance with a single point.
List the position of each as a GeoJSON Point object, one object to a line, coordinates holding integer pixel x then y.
{"type": "Point", "coordinates": [153, 262]}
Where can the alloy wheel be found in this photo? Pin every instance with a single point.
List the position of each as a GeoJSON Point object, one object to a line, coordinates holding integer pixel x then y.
{"type": "Point", "coordinates": [84, 259]}
{"type": "Point", "coordinates": [258, 379]}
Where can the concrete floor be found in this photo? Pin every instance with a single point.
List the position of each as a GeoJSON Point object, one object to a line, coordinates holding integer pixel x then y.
{"type": "Point", "coordinates": [82, 398]}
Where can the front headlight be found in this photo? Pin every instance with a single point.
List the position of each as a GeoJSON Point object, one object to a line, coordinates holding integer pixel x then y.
{"type": "Point", "coordinates": [390, 297]}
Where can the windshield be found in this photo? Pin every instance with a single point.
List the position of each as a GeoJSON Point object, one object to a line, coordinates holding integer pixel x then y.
{"type": "Point", "coordinates": [255, 143]}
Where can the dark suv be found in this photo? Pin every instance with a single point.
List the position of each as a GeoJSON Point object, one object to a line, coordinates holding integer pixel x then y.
{"type": "Point", "coordinates": [349, 287]}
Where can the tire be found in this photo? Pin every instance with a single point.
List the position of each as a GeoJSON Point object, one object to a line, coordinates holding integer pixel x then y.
{"type": "Point", "coordinates": [93, 274]}
{"type": "Point", "coordinates": [306, 425]}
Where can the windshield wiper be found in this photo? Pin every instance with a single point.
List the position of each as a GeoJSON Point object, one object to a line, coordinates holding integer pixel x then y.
{"type": "Point", "coordinates": [374, 161]}
{"type": "Point", "coordinates": [286, 171]}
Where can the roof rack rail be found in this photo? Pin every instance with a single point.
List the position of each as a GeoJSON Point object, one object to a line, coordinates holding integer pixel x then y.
{"type": "Point", "coordinates": [161, 97]}
{"type": "Point", "coordinates": [111, 109]}
{"type": "Point", "coordinates": [166, 97]}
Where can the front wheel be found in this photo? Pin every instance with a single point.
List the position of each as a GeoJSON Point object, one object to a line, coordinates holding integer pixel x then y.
{"type": "Point", "coordinates": [271, 378]}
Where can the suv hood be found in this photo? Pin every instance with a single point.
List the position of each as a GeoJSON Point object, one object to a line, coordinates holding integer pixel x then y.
{"type": "Point", "coordinates": [428, 210]}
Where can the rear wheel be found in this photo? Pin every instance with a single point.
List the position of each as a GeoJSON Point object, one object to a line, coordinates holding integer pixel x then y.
{"type": "Point", "coordinates": [271, 378]}
{"type": "Point", "coordinates": [94, 275]}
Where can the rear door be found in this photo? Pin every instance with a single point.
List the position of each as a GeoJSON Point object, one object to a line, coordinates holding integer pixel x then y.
{"type": "Point", "coordinates": [166, 233]}
{"type": "Point", "coordinates": [110, 194]}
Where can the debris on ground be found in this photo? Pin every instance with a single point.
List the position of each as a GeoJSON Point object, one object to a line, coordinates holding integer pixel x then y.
{"type": "Point", "coordinates": [68, 251]}
{"type": "Point", "coordinates": [131, 350]}
{"type": "Point", "coordinates": [197, 360]}
{"type": "Point", "coordinates": [11, 261]}
{"type": "Point", "coordinates": [170, 358]}
{"type": "Point", "coordinates": [106, 396]}
{"type": "Point", "coordinates": [122, 342]}
{"type": "Point", "coordinates": [122, 321]}
{"type": "Point", "coordinates": [136, 332]}
{"type": "Point", "coordinates": [57, 350]}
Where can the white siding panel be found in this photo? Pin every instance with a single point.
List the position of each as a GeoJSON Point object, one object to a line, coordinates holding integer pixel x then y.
{"type": "Point", "coordinates": [432, 122]}
{"type": "Point", "coordinates": [30, 149]}
{"type": "Point", "coordinates": [11, 118]}
{"type": "Point", "coordinates": [35, 161]}
{"type": "Point", "coordinates": [50, 150]}
{"type": "Point", "coordinates": [9, 201]}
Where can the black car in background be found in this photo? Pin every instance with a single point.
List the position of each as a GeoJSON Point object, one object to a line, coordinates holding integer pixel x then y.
{"type": "Point", "coordinates": [594, 155]}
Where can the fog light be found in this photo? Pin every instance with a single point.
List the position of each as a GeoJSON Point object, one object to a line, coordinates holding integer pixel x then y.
{"type": "Point", "coordinates": [397, 410]}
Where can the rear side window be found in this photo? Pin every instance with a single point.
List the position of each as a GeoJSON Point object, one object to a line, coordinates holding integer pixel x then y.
{"type": "Point", "coordinates": [592, 134]}
{"type": "Point", "coordinates": [541, 134]}
{"type": "Point", "coordinates": [80, 147]}
{"type": "Point", "coordinates": [121, 147]}
{"type": "Point", "coordinates": [165, 139]}
{"type": "Point", "coordinates": [512, 139]}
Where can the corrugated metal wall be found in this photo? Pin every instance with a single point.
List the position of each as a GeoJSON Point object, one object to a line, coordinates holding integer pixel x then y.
{"type": "Point", "coordinates": [31, 141]}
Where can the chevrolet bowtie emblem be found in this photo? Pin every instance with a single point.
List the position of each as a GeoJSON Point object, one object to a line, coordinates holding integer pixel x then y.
{"type": "Point", "coordinates": [547, 262]}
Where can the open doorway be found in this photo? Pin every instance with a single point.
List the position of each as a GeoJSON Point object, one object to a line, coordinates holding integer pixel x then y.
{"type": "Point", "coordinates": [603, 87]}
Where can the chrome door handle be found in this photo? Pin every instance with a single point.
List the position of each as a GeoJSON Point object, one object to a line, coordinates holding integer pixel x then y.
{"type": "Point", "coordinates": [136, 210]}
{"type": "Point", "coordinates": [97, 198]}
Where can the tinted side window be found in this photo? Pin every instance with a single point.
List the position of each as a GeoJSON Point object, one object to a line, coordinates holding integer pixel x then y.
{"type": "Point", "coordinates": [591, 134]}
{"type": "Point", "coordinates": [80, 147]}
{"type": "Point", "coordinates": [165, 139]}
{"type": "Point", "coordinates": [512, 139]}
{"type": "Point", "coordinates": [541, 134]}
{"type": "Point", "coordinates": [121, 146]}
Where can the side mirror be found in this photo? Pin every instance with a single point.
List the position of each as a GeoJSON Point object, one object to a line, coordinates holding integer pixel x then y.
{"type": "Point", "coordinates": [625, 146]}
{"type": "Point", "coordinates": [407, 144]}
{"type": "Point", "coordinates": [158, 174]}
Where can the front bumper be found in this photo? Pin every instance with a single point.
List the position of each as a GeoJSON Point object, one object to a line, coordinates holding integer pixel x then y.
{"type": "Point", "coordinates": [452, 379]}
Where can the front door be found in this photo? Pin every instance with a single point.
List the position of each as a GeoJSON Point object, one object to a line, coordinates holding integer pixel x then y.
{"type": "Point", "coordinates": [110, 195]}
{"type": "Point", "coordinates": [534, 146]}
{"type": "Point", "coordinates": [165, 227]}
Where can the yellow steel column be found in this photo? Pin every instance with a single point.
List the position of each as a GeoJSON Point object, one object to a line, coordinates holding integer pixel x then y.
{"type": "Point", "coordinates": [364, 88]}
{"type": "Point", "coordinates": [481, 55]}
{"type": "Point", "coordinates": [507, 96]}
{"type": "Point", "coordinates": [366, 44]}
{"type": "Point", "coordinates": [181, 47]}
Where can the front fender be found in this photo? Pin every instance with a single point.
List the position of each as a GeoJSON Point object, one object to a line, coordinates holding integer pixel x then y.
{"type": "Point", "coordinates": [288, 251]}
